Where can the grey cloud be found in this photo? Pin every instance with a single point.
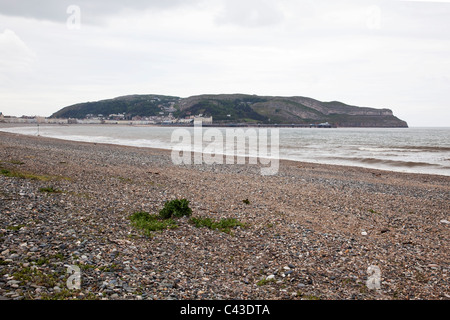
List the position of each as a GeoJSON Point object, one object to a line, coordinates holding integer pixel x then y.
{"type": "Point", "coordinates": [56, 10]}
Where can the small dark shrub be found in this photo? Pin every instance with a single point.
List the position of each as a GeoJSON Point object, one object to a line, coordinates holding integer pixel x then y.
{"type": "Point", "coordinates": [175, 208]}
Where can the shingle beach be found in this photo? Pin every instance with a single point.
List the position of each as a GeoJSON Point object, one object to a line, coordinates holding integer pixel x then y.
{"type": "Point", "coordinates": [311, 231]}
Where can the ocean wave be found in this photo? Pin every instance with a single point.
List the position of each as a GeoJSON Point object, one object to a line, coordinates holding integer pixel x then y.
{"type": "Point", "coordinates": [423, 148]}
{"type": "Point", "coordinates": [393, 163]}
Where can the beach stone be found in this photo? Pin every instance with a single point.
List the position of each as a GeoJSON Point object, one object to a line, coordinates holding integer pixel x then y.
{"type": "Point", "coordinates": [166, 284]}
{"type": "Point", "coordinates": [13, 283]}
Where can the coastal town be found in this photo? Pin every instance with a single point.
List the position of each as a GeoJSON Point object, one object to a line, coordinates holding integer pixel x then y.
{"type": "Point", "coordinates": [122, 119]}
{"type": "Point", "coordinates": [164, 118]}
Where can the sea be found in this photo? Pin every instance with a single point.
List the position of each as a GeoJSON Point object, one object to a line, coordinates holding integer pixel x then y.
{"type": "Point", "coordinates": [416, 150]}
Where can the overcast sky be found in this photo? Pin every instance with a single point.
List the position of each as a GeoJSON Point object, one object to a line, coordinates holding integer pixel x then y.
{"type": "Point", "coordinates": [379, 53]}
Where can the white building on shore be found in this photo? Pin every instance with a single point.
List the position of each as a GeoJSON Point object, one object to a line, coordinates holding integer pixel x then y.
{"type": "Point", "coordinates": [204, 120]}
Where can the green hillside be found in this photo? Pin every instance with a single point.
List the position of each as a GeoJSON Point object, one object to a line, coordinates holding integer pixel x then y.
{"type": "Point", "coordinates": [238, 108]}
{"type": "Point", "coordinates": [131, 106]}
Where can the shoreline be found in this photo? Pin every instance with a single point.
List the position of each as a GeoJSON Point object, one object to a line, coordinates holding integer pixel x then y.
{"type": "Point", "coordinates": [312, 231]}
{"type": "Point", "coordinates": [280, 159]}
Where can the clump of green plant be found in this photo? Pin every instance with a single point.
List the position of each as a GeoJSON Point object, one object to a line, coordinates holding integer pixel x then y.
{"type": "Point", "coordinates": [35, 276]}
{"type": "Point", "coordinates": [308, 296]}
{"type": "Point", "coordinates": [110, 268]}
{"type": "Point", "coordinates": [5, 172]}
{"type": "Point", "coordinates": [50, 189]}
{"type": "Point", "coordinates": [264, 281]}
{"type": "Point", "coordinates": [125, 179]}
{"type": "Point", "coordinates": [224, 225]}
{"type": "Point", "coordinates": [175, 208]}
{"type": "Point", "coordinates": [66, 294]}
{"type": "Point", "coordinates": [25, 175]}
{"type": "Point", "coordinates": [246, 201]}
{"type": "Point", "coordinates": [156, 222]}
{"type": "Point", "coordinates": [151, 222]}
{"type": "Point", "coordinates": [15, 227]}
{"type": "Point", "coordinates": [42, 261]}
{"type": "Point", "coordinates": [18, 162]}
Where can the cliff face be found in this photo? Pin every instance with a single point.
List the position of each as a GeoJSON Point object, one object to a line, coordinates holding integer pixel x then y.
{"type": "Point", "coordinates": [288, 110]}
{"type": "Point", "coordinates": [241, 108]}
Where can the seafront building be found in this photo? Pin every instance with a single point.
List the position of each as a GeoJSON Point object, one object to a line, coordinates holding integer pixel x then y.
{"type": "Point", "coordinates": [111, 119]}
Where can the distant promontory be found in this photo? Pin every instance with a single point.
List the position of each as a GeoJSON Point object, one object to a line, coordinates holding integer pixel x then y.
{"type": "Point", "coordinates": [223, 109]}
